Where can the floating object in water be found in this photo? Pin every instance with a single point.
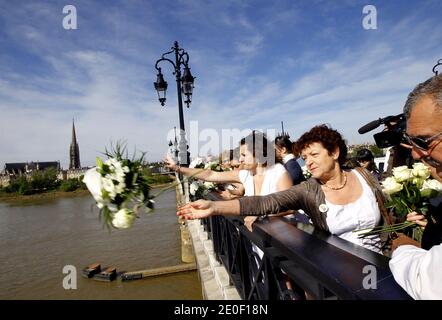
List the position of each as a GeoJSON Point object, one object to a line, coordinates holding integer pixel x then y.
{"type": "Point", "coordinates": [91, 270]}
{"type": "Point", "coordinates": [134, 275]}
{"type": "Point", "coordinates": [108, 274]}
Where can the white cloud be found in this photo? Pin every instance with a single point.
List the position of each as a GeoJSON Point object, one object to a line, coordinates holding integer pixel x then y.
{"type": "Point", "coordinates": [250, 45]}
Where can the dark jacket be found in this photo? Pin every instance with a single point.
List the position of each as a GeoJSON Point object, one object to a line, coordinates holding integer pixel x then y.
{"type": "Point", "coordinates": [433, 231]}
{"type": "Point", "coordinates": [295, 171]}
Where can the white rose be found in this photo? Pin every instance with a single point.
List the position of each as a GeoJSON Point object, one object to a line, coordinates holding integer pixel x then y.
{"type": "Point", "coordinates": [193, 188]}
{"type": "Point", "coordinates": [420, 170]}
{"type": "Point", "coordinates": [119, 175]}
{"type": "Point", "coordinates": [432, 184]}
{"type": "Point", "coordinates": [418, 181]}
{"type": "Point", "coordinates": [209, 185]}
{"type": "Point", "coordinates": [195, 162]}
{"type": "Point", "coordinates": [401, 173]}
{"type": "Point", "coordinates": [112, 162]}
{"type": "Point", "coordinates": [119, 188]}
{"type": "Point", "coordinates": [123, 219]}
{"type": "Point", "coordinates": [93, 181]}
{"type": "Point", "coordinates": [109, 186]}
{"type": "Point", "coordinates": [390, 186]}
{"type": "Point", "coordinates": [305, 171]}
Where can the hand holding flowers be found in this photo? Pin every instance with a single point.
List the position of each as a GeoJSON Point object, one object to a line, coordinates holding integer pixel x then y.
{"type": "Point", "coordinates": [409, 189]}
{"type": "Point", "coordinates": [417, 218]}
{"type": "Point", "coordinates": [408, 192]}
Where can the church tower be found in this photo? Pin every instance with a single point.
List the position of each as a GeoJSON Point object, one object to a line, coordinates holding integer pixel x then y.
{"type": "Point", "coordinates": [74, 151]}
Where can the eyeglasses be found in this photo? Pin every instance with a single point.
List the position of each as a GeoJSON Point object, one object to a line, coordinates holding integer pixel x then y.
{"type": "Point", "coordinates": [420, 143]}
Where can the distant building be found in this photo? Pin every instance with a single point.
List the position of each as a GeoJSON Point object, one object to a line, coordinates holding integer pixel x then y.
{"type": "Point", "coordinates": [74, 151]}
{"type": "Point", "coordinates": [28, 167]}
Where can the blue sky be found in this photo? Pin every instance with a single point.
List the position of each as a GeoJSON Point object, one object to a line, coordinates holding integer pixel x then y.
{"type": "Point", "coordinates": [256, 63]}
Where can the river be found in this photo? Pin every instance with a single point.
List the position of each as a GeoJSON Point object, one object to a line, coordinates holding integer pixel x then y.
{"type": "Point", "coordinates": [38, 239]}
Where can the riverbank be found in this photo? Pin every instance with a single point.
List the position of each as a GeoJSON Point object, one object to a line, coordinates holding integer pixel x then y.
{"type": "Point", "coordinates": [14, 198]}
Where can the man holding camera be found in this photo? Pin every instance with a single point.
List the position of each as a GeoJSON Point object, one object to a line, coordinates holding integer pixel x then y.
{"type": "Point", "coordinates": [419, 271]}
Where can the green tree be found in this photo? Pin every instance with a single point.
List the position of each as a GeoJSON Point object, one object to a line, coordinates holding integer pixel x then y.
{"type": "Point", "coordinates": [70, 185]}
{"type": "Point", "coordinates": [18, 184]}
{"type": "Point", "coordinates": [44, 180]}
{"type": "Point", "coordinates": [377, 152]}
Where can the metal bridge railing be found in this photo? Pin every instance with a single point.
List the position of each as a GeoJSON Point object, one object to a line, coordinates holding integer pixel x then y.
{"type": "Point", "coordinates": [320, 265]}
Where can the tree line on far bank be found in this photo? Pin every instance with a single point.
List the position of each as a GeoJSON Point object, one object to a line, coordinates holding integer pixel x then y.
{"type": "Point", "coordinates": [47, 180]}
{"type": "Point", "coordinates": [42, 181]}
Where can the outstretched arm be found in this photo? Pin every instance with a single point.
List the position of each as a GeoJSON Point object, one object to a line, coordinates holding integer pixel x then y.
{"type": "Point", "coordinates": [203, 174]}
{"type": "Point", "coordinates": [245, 206]}
{"type": "Point", "coordinates": [205, 208]}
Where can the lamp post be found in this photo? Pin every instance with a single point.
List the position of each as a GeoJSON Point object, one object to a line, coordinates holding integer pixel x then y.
{"type": "Point", "coordinates": [184, 87]}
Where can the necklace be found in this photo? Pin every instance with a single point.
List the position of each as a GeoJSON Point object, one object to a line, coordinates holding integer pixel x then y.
{"type": "Point", "coordinates": [338, 187]}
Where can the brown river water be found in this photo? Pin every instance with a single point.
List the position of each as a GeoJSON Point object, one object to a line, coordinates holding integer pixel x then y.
{"type": "Point", "coordinates": [38, 239]}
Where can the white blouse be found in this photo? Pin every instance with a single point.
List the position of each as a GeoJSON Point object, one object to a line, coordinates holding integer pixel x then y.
{"type": "Point", "coordinates": [360, 214]}
{"type": "Point", "coordinates": [270, 183]}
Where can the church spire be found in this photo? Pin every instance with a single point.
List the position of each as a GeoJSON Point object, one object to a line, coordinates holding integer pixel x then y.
{"type": "Point", "coordinates": [74, 137]}
{"type": "Point", "coordinates": [74, 151]}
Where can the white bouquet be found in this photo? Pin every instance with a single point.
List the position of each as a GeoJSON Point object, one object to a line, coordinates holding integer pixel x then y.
{"type": "Point", "coordinates": [213, 165]}
{"type": "Point", "coordinates": [306, 173]}
{"type": "Point", "coordinates": [198, 188]}
{"type": "Point", "coordinates": [120, 188]}
{"type": "Point", "coordinates": [407, 190]}
{"type": "Point", "coordinates": [197, 163]}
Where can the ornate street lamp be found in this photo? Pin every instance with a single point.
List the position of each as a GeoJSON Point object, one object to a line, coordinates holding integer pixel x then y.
{"type": "Point", "coordinates": [161, 87]}
{"type": "Point", "coordinates": [187, 85]}
{"type": "Point", "coordinates": [184, 86]}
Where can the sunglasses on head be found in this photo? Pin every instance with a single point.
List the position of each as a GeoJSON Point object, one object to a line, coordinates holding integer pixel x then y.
{"type": "Point", "coordinates": [421, 143]}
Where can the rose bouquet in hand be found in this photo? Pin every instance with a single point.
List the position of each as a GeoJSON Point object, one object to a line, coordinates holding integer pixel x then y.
{"type": "Point", "coordinates": [199, 188]}
{"type": "Point", "coordinates": [120, 187]}
{"type": "Point", "coordinates": [408, 190]}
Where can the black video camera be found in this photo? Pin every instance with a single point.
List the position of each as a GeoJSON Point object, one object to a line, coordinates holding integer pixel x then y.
{"type": "Point", "coordinates": [394, 133]}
